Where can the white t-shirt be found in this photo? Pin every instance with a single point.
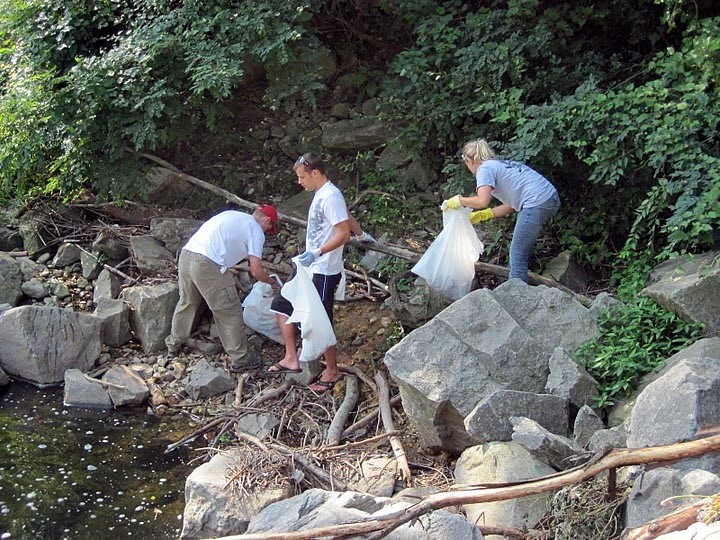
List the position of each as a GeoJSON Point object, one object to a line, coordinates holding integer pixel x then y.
{"type": "Point", "coordinates": [514, 183]}
{"type": "Point", "coordinates": [227, 238]}
{"type": "Point", "coordinates": [327, 209]}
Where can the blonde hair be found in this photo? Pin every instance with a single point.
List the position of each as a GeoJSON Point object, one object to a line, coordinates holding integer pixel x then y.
{"type": "Point", "coordinates": [477, 150]}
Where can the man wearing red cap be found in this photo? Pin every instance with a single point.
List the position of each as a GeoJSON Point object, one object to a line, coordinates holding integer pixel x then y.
{"type": "Point", "coordinates": [220, 243]}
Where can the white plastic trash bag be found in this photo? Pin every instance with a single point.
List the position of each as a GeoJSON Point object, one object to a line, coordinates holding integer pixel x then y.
{"type": "Point", "coordinates": [257, 314]}
{"type": "Point", "coordinates": [340, 291]}
{"type": "Point", "coordinates": [448, 265]}
{"type": "Point", "coordinates": [308, 310]}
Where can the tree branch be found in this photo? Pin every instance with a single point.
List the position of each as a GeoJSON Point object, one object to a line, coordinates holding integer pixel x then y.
{"type": "Point", "coordinates": [352, 393]}
{"type": "Point", "coordinates": [617, 458]}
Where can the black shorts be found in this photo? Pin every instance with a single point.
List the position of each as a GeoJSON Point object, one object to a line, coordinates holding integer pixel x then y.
{"type": "Point", "coordinates": [326, 287]}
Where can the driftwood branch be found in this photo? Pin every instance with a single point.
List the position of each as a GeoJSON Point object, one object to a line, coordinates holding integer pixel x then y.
{"type": "Point", "coordinates": [105, 383]}
{"type": "Point", "coordinates": [370, 417]}
{"type": "Point", "coordinates": [227, 195]}
{"type": "Point", "coordinates": [352, 393]}
{"type": "Point", "coordinates": [617, 458]}
{"type": "Point", "coordinates": [386, 415]}
{"type": "Point", "coordinates": [355, 444]}
{"type": "Point", "coordinates": [237, 403]}
{"type": "Point", "coordinates": [677, 521]}
{"type": "Point", "coordinates": [360, 374]}
{"type": "Point", "coordinates": [109, 268]}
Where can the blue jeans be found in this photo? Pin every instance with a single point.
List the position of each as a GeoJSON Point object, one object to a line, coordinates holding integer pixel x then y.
{"type": "Point", "coordinates": [529, 223]}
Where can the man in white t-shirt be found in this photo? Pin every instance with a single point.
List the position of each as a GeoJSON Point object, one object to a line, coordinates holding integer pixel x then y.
{"type": "Point", "coordinates": [328, 230]}
{"type": "Point", "coordinates": [220, 243]}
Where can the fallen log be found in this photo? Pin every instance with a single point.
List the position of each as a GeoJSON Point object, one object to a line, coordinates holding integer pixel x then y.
{"type": "Point", "coordinates": [377, 529]}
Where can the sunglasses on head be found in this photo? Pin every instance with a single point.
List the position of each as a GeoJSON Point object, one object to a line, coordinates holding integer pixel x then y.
{"type": "Point", "coordinates": [303, 161]}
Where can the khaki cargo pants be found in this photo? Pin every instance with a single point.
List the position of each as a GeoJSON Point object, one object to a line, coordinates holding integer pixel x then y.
{"type": "Point", "coordinates": [200, 279]}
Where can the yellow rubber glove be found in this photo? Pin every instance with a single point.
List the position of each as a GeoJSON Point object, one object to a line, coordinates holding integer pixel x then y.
{"type": "Point", "coordinates": [481, 215]}
{"type": "Point", "coordinates": [452, 203]}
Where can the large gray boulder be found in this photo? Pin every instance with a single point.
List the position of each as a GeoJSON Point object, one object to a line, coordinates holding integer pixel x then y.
{"type": "Point", "coordinates": [206, 381]}
{"type": "Point", "coordinates": [503, 462]}
{"type": "Point", "coordinates": [552, 316]}
{"type": "Point", "coordinates": [107, 285]}
{"type": "Point", "coordinates": [173, 232]}
{"type": "Point", "coordinates": [570, 380]}
{"type": "Point", "coordinates": [81, 391]}
{"type": "Point", "coordinates": [485, 342]}
{"type": "Point", "coordinates": [10, 280]}
{"type": "Point", "coordinates": [676, 406]}
{"type": "Point", "coordinates": [550, 448]}
{"type": "Point", "coordinates": [150, 256]}
{"type": "Point", "coordinates": [212, 508]}
{"type": "Point", "coordinates": [66, 255]}
{"type": "Point", "coordinates": [38, 343]}
{"type": "Point", "coordinates": [690, 287]}
{"type": "Point", "coordinates": [565, 269]}
{"type": "Point", "coordinates": [10, 239]}
{"type": "Point", "coordinates": [115, 318]}
{"type": "Point", "coordinates": [317, 508]}
{"type": "Point", "coordinates": [125, 386]}
{"type": "Point", "coordinates": [152, 310]}
{"type": "Point", "coordinates": [490, 420]}
{"type": "Point", "coordinates": [357, 134]}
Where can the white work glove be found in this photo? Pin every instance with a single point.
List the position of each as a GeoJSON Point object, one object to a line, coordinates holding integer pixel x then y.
{"type": "Point", "coordinates": [365, 237]}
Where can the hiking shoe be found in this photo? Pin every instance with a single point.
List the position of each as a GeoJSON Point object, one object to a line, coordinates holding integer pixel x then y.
{"type": "Point", "coordinates": [250, 361]}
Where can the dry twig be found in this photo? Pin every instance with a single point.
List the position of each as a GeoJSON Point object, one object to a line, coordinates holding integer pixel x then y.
{"type": "Point", "coordinates": [386, 415]}
{"type": "Point", "coordinates": [365, 420]}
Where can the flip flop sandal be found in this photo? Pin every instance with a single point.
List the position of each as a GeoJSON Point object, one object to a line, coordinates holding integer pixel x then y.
{"type": "Point", "coordinates": [280, 369]}
{"type": "Point", "coordinates": [327, 386]}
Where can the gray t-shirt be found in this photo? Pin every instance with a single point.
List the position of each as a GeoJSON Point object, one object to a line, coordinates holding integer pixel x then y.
{"type": "Point", "coordinates": [514, 183]}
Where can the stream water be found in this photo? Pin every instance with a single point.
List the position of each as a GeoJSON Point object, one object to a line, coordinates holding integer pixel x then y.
{"type": "Point", "coordinates": [73, 474]}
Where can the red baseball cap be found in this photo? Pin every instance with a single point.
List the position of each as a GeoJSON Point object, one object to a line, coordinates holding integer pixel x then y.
{"type": "Point", "coordinates": [270, 212]}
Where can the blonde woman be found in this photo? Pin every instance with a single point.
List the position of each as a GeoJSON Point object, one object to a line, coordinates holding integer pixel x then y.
{"type": "Point", "coordinates": [519, 188]}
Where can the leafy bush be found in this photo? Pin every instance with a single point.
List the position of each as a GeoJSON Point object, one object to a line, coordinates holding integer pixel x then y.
{"type": "Point", "coordinates": [634, 339]}
{"type": "Point", "coordinates": [623, 120]}
{"type": "Point", "coordinates": [79, 87]}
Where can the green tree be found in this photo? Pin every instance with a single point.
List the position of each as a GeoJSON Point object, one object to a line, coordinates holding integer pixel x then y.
{"type": "Point", "coordinates": [615, 101]}
{"type": "Point", "coordinates": [80, 87]}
